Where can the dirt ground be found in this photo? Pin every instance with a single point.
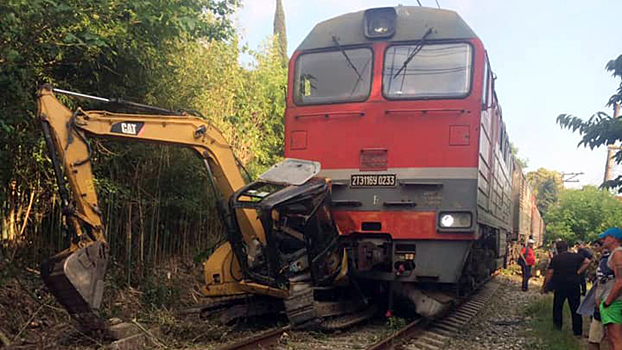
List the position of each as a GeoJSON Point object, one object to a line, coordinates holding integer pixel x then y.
{"type": "Point", "coordinates": [33, 319]}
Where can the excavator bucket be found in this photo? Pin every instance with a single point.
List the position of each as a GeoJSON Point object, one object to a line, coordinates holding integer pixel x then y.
{"type": "Point", "coordinates": [77, 279]}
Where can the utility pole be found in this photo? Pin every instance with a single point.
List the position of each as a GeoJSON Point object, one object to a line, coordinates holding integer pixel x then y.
{"type": "Point", "coordinates": [279, 30]}
{"type": "Point", "coordinates": [611, 149]}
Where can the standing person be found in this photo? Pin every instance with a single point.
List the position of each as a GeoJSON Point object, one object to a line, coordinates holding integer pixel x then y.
{"type": "Point", "coordinates": [527, 259]}
{"type": "Point", "coordinates": [611, 306]}
{"type": "Point", "coordinates": [585, 253]}
{"type": "Point", "coordinates": [564, 271]}
{"type": "Point", "coordinates": [603, 274]}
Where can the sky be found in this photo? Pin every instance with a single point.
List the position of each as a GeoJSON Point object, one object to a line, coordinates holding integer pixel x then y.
{"type": "Point", "coordinates": [549, 57]}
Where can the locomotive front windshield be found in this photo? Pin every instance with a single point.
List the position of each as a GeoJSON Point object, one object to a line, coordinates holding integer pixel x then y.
{"type": "Point", "coordinates": [428, 71]}
{"type": "Point", "coordinates": [333, 76]}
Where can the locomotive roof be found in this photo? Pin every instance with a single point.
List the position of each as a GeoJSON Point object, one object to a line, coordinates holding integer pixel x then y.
{"type": "Point", "coordinates": [412, 22]}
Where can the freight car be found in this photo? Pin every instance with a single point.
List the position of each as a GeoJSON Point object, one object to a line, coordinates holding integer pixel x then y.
{"type": "Point", "coordinates": [527, 221]}
{"type": "Point", "coordinates": [399, 106]}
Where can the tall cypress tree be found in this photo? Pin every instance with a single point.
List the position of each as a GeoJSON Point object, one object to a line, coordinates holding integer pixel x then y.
{"type": "Point", "coordinates": [279, 30]}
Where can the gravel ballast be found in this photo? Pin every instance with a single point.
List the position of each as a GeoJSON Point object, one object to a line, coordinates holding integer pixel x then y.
{"type": "Point", "coordinates": [502, 324]}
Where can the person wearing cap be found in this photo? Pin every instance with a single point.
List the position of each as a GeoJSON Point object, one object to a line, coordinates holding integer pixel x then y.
{"type": "Point", "coordinates": [564, 272]}
{"type": "Point", "coordinates": [526, 260]}
{"type": "Point", "coordinates": [603, 274]}
{"type": "Point", "coordinates": [611, 304]}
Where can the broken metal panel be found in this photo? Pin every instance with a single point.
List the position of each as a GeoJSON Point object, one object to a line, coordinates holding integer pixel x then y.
{"type": "Point", "coordinates": [291, 172]}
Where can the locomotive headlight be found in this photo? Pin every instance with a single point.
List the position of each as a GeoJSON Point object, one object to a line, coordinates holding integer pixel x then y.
{"type": "Point", "coordinates": [455, 220]}
{"type": "Point", "coordinates": [380, 22]}
{"type": "Point", "coordinates": [447, 220]}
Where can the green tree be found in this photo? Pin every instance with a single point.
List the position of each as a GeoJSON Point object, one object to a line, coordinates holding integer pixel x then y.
{"type": "Point", "coordinates": [547, 186]}
{"type": "Point", "coordinates": [246, 103]}
{"type": "Point", "coordinates": [170, 53]}
{"type": "Point", "coordinates": [523, 162]}
{"type": "Point", "coordinates": [581, 214]}
{"type": "Point", "coordinates": [601, 128]}
{"type": "Point", "coordinates": [279, 30]}
{"type": "Point", "coordinates": [106, 48]}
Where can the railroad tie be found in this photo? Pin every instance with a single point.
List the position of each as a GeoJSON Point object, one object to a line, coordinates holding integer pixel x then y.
{"type": "Point", "coordinates": [440, 331]}
{"type": "Point", "coordinates": [422, 346]}
{"type": "Point", "coordinates": [453, 323]}
{"type": "Point", "coordinates": [430, 340]}
{"type": "Point", "coordinates": [437, 336]}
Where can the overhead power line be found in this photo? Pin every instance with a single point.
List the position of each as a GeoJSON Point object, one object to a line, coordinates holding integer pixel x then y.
{"type": "Point", "coordinates": [570, 177]}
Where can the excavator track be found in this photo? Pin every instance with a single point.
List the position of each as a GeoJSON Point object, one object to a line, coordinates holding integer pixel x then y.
{"type": "Point", "coordinates": [228, 308]}
{"type": "Point", "coordinates": [300, 307]}
{"type": "Point", "coordinates": [214, 303]}
{"type": "Point", "coordinates": [306, 313]}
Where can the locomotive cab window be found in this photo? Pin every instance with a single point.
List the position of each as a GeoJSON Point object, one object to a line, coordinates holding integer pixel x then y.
{"type": "Point", "coordinates": [333, 76]}
{"type": "Point", "coordinates": [428, 71]}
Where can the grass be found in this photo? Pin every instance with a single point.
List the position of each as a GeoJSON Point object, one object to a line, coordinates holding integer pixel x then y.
{"type": "Point", "coordinates": [541, 328]}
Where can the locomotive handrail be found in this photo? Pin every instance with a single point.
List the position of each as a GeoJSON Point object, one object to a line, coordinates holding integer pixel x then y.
{"type": "Point", "coordinates": [426, 110]}
{"type": "Point", "coordinates": [407, 203]}
{"type": "Point", "coordinates": [421, 183]}
{"type": "Point", "coordinates": [346, 202]}
{"type": "Point", "coordinates": [329, 114]}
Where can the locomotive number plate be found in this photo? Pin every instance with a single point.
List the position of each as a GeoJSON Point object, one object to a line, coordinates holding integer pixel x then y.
{"type": "Point", "coordinates": [372, 180]}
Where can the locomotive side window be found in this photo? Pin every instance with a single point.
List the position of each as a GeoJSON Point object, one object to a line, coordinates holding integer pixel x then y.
{"type": "Point", "coordinates": [485, 85]}
{"type": "Point", "coordinates": [333, 76]}
{"type": "Point", "coordinates": [431, 70]}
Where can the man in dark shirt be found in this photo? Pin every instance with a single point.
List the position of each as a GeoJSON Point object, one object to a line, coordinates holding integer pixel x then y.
{"type": "Point", "coordinates": [585, 253]}
{"type": "Point", "coordinates": [564, 272]}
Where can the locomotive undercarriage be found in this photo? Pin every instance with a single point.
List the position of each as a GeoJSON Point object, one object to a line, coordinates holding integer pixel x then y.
{"type": "Point", "coordinates": [426, 276]}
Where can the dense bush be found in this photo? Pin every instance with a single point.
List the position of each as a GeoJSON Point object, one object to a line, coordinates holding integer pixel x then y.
{"type": "Point", "coordinates": [171, 53]}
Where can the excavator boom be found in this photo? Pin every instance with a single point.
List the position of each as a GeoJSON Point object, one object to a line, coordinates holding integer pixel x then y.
{"type": "Point", "coordinates": [276, 227]}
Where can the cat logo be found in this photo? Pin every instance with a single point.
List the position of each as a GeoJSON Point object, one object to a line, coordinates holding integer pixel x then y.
{"type": "Point", "coordinates": [127, 128]}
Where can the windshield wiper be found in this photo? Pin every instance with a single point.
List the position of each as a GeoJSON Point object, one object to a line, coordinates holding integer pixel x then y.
{"type": "Point", "coordinates": [350, 64]}
{"type": "Point", "coordinates": [414, 53]}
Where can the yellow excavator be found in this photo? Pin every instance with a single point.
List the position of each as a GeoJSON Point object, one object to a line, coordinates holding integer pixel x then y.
{"type": "Point", "coordinates": [281, 246]}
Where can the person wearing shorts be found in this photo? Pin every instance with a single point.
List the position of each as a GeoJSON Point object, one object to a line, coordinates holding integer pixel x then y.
{"type": "Point", "coordinates": [597, 334]}
{"type": "Point", "coordinates": [611, 305]}
{"type": "Point", "coordinates": [603, 274]}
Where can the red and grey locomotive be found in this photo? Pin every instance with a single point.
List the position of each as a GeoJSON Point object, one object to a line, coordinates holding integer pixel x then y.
{"type": "Point", "coordinates": [398, 104]}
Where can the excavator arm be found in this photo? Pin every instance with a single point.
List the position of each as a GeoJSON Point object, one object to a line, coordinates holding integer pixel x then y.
{"type": "Point", "coordinates": [249, 262]}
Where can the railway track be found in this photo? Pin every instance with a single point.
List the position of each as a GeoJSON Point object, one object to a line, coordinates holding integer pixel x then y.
{"type": "Point", "coordinates": [265, 340]}
{"type": "Point", "coordinates": [432, 335]}
{"type": "Point", "coordinates": [419, 334]}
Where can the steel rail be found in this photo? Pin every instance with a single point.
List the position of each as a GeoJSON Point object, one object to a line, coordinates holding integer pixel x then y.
{"type": "Point", "coordinates": [265, 340]}
{"type": "Point", "coordinates": [409, 331]}
{"type": "Point", "coordinates": [432, 334]}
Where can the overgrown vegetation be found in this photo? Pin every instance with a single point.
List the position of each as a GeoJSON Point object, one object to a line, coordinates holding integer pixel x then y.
{"type": "Point", "coordinates": [582, 214]}
{"type": "Point", "coordinates": [601, 128]}
{"type": "Point", "coordinates": [540, 313]}
{"type": "Point", "coordinates": [547, 185]}
{"type": "Point", "coordinates": [175, 54]}
{"type": "Point", "coordinates": [37, 321]}
{"type": "Point", "coordinates": [158, 211]}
